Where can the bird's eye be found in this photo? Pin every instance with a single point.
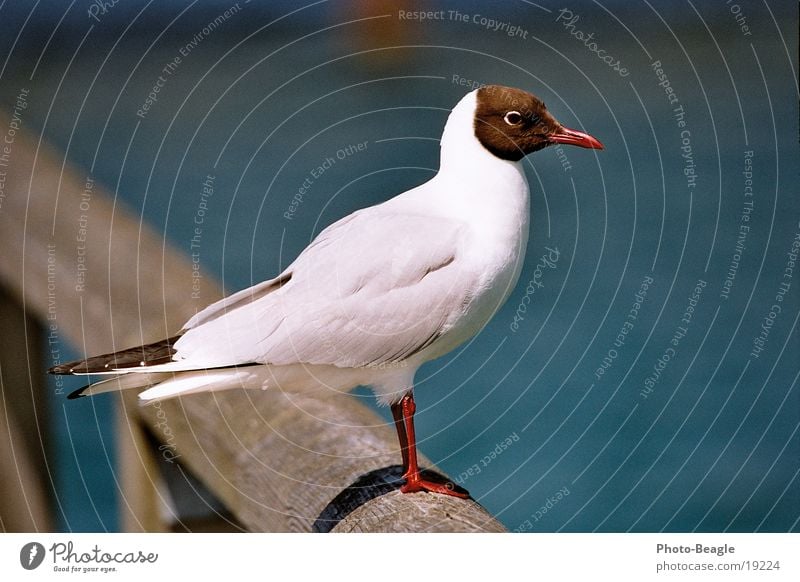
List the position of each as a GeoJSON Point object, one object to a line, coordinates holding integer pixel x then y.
{"type": "Point", "coordinates": [513, 118]}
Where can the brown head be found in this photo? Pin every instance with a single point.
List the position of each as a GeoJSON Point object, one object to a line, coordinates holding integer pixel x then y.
{"type": "Point", "coordinates": [511, 123]}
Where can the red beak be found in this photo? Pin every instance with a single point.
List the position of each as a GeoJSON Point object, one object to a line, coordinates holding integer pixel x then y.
{"type": "Point", "coordinates": [576, 138]}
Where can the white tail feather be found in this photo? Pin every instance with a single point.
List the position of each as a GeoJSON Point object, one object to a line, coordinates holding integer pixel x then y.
{"type": "Point", "coordinates": [124, 382]}
{"type": "Point", "coordinates": [189, 383]}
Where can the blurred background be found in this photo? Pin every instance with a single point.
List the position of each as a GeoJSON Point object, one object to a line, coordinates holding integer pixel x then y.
{"type": "Point", "coordinates": [648, 382]}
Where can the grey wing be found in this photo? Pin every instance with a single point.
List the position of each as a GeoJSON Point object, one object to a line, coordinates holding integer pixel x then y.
{"type": "Point", "coordinates": [375, 287]}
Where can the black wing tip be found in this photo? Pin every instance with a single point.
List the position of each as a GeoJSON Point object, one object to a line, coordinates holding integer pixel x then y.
{"type": "Point", "coordinates": [79, 393]}
{"type": "Point", "coordinates": [62, 369]}
{"type": "Point", "coordinates": [74, 368]}
{"type": "Point", "coordinates": [160, 352]}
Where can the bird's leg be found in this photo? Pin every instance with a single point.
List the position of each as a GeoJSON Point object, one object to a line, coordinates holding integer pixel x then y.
{"type": "Point", "coordinates": [400, 425]}
{"type": "Point", "coordinates": [403, 413]}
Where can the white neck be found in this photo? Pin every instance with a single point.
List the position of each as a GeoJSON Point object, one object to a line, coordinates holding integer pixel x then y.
{"type": "Point", "coordinates": [474, 185]}
{"type": "Point", "coordinates": [472, 180]}
{"type": "Point", "coordinates": [462, 153]}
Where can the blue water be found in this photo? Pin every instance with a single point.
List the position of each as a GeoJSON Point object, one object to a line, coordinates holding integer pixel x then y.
{"type": "Point", "coordinates": [688, 427]}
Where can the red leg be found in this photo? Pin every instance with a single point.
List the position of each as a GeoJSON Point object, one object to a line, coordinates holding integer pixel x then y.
{"type": "Point", "coordinates": [403, 413]}
{"type": "Point", "coordinates": [399, 424]}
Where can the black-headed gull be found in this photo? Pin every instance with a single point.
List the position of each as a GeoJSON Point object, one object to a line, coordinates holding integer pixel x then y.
{"type": "Point", "coordinates": [378, 293]}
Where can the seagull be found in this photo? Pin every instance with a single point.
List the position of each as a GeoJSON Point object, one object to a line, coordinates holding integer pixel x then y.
{"type": "Point", "coordinates": [376, 294]}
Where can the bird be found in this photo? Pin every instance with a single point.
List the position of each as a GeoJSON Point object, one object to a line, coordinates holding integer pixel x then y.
{"type": "Point", "coordinates": [379, 292]}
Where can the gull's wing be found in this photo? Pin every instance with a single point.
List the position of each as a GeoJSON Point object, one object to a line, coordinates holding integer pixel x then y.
{"type": "Point", "coordinates": [375, 287]}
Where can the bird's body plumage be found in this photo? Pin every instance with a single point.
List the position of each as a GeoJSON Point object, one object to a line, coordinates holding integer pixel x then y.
{"type": "Point", "coordinates": [374, 296]}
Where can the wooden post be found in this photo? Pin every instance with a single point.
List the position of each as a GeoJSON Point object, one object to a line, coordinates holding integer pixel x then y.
{"type": "Point", "coordinates": [279, 462]}
{"type": "Point", "coordinates": [23, 474]}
